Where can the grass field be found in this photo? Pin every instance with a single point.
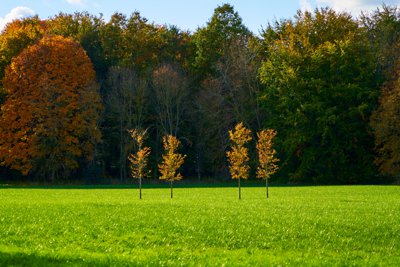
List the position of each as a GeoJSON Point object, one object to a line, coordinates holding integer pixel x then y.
{"type": "Point", "coordinates": [312, 226]}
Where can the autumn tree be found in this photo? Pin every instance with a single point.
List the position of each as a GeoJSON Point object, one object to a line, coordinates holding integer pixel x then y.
{"type": "Point", "coordinates": [49, 121]}
{"type": "Point", "coordinates": [171, 160]}
{"type": "Point", "coordinates": [238, 157]}
{"type": "Point", "coordinates": [15, 37]}
{"type": "Point", "coordinates": [266, 155]}
{"type": "Point", "coordinates": [139, 159]}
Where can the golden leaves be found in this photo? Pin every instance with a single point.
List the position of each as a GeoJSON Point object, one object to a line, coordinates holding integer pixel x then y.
{"type": "Point", "coordinates": [266, 154]}
{"type": "Point", "coordinates": [140, 158]}
{"type": "Point", "coordinates": [172, 160]}
{"type": "Point", "coordinates": [239, 156]}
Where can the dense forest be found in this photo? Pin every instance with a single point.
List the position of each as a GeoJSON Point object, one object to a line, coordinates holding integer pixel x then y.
{"type": "Point", "coordinates": [72, 86]}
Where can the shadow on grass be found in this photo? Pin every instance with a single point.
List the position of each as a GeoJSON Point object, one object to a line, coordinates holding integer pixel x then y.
{"type": "Point", "coordinates": [31, 259]}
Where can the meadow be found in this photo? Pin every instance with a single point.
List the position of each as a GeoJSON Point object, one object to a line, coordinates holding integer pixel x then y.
{"type": "Point", "coordinates": [312, 226]}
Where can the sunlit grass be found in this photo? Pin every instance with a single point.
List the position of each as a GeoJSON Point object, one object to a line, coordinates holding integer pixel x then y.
{"type": "Point", "coordinates": [342, 225]}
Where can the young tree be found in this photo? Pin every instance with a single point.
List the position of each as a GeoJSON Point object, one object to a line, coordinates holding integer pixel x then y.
{"type": "Point", "coordinates": [172, 160]}
{"type": "Point", "coordinates": [239, 155]}
{"type": "Point", "coordinates": [140, 158]}
{"type": "Point", "coordinates": [266, 155]}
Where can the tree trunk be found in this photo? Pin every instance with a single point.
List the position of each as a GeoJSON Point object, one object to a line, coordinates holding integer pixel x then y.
{"type": "Point", "coordinates": [171, 190]}
{"type": "Point", "coordinates": [266, 185]}
{"type": "Point", "coordinates": [140, 188]}
{"type": "Point", "coordinates": [198, 164]}
{"type": "Point", "coordinates": [240, 195]}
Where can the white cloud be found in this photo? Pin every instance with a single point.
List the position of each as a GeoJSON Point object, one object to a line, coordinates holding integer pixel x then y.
{"type": "Point", "coordinates": [16, 13]}
{"type": "Point", "coordinates": [355, 6]}
{"type": "Point", "coordinates": [75, 2]}
{"type": "Point", "coordinates": [305, 5]}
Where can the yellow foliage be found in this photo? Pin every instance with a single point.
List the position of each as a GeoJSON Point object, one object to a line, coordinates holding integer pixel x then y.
{"type": "Point", "coordinates": [266, 154]}
{"type": "Point", "coordinates": [239, 156]}
{"type": "Point", "coordinates": [140, 158]}
{"type": "Point", "coordinates": [172, 160]}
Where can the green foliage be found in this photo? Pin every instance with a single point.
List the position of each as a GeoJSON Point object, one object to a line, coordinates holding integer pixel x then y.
{"type": "Point", "coordinates": [224, 27]}
{"type": "Point", "coordinates": [383, 31]}
{"type": "Point", "coordinates": [86, 30]}
{"type": "Point", "coordinates": [300, 226]}
{"type": "Point", "coordinates": [320, 74]}
{"type": "Point", "coordinates": [319, 93]}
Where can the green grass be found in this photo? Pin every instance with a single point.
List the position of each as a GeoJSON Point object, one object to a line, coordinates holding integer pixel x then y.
{"type": "Point", "coordinates": [312, 226]}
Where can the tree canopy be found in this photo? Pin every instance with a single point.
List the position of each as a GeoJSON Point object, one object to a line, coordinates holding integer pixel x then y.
{"type": "Point", "coordinates": [49, 121]}
{"type": "Point", "coordinates": [324, 80]}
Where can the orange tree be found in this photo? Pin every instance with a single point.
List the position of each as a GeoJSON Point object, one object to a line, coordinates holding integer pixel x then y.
{"type": "Point", "coordinates": [139, 159]}
{"type": "Point", "coordinates": [49, 121]}
{"type": "Point", "coordinates": [266, 155]}
{"type": "Point", "coordinates": [172, 160]}
{"type": "Point", "coordinates": [239, 155]}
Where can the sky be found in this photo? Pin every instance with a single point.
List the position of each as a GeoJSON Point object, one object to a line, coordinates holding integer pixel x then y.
{"type": "Point", "coordinates": [186, 14]}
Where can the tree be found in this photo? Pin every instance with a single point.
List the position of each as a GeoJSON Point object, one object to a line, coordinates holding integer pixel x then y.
{"type": "Point", "coordinates": [238, 157]}
{"type": "Point", "coordinates": [170, 90]}
{"type": "Point", "coordinates": [17, 36]}
{"type": "Point", "coordinates": [227, 75]}
{"type": "Point", "coordinates": [319, 92]}
{"type": "Point", "coordinates": [125, 105]}
{"type": "Point", "coordinates": [231, 95]}
{"type": "Point", "coordinates": [49, 121]}
{"type": "Point", "coordinates": [383, 30]}
{"type": "Point", "coordinates": [224, 26]}
{"type": "Point", "coordinates": [140, 158]}
{"type": "Point", "coordinates": [85, 29]}
{"type": "Point", "coordinates": [266, 155]}
{"type": "Point", "coordinates": [385, 125]}
{"type": "Point", "coordinates": [171, 160]}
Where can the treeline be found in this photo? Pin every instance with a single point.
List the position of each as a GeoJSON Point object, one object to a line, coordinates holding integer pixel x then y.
{"type": "Point", "coordinates": [328, 84]}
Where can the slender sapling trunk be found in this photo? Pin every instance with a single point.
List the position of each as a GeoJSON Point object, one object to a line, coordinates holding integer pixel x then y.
{"type": "Point", "coordinates": [140, 188]}
{"type": "Point", "coordinates": [240, 196]}
{"type": "Point", "coordinates": [266, 185]}
{"type": "Point", "coordinates": [171, 190]}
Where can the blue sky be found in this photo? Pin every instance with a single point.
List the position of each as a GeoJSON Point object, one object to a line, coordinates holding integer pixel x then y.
{"type": "Point", "coordinates": [186, 14]}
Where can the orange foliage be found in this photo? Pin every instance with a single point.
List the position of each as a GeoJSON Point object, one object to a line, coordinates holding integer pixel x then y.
{"type": "Point", "coordinates": [16, 36]}
{"type": "Point", "coordinates": [172, 160]}
{"type": "Point", "coordinates": [239, 155]}
{"type": "Point", "coordinates": [266, 154]}
{"type": "Point", "coordinates": [49, 119]}
{"type": "Point", "coordinates": [140, 158]}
